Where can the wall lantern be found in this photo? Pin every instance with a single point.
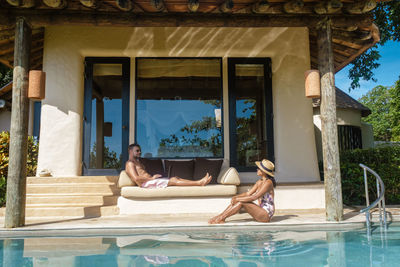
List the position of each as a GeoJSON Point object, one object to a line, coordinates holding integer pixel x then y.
{"type": "Point", "coordinates": [37, 80]}
{"type": "Point", "coordinates": [312, 84]}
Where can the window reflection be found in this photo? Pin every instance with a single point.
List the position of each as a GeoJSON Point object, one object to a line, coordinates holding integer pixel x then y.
{"type": "Point", "coordinates": [106, 131]}
{"type": "Point", "coordinates": [178, 107]}
{"type": "Point", "coordinates": [250, 114]}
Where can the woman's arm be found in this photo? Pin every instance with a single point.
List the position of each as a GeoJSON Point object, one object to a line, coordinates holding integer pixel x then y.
{"type": "Point", "coordinates": [248, 193]}
{"type": "Point", "coordinates": [256, 194]}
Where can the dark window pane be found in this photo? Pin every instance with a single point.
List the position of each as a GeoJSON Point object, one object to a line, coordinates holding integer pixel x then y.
{"type": "Point", "coordinates": [250, 114]}
{"type": "Point", "coordinates": [349, 137]}
{"type": "Point", "coordinates": [106, 127]}
{"type": "Point", "coordinates": [178, 107]}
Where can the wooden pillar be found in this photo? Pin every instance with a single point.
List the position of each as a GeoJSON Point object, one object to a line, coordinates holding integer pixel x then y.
{"type": "Point", "coordinates": [330, 149]}
{"type": "Point", "coordinates": [16, 181]}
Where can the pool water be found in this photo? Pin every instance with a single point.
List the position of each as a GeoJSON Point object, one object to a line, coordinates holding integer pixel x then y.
{"type": "Point", "coordinates": [241, 248]}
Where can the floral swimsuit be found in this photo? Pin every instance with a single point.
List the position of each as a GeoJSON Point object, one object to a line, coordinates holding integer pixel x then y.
{"type": "Point", "coordinates": [267, 203]}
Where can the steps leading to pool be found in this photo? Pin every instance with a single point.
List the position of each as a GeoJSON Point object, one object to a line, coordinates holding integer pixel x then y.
{"type": "Point", "coordinates": [77, 197]}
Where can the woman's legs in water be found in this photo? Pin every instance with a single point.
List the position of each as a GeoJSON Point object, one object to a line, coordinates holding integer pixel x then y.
{"type": "Point", "coordinates": [176, 181]}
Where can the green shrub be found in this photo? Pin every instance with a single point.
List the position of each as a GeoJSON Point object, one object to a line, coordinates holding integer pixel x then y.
{"type": "Point", "coordinates": [31, 161]}
{"type": "Point", "coordinates": [385, 161]}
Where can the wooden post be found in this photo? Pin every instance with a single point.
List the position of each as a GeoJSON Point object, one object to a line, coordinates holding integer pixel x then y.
{"type": "Point", "coordinates": [330, 149]}
{"type": "Point", "coordinates": [16, 181]}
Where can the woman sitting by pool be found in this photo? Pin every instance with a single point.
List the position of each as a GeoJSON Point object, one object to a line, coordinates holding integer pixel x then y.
{"type": "Point", "coordinates": [263, 190]}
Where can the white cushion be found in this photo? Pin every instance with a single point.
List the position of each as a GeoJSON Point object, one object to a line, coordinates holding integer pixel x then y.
{"type": "Point", "coordinates": [229, 176]}
{"type": "Point", "coordinates": [179, 191]}
{"type": "Point", "coordinates": [124, 180]}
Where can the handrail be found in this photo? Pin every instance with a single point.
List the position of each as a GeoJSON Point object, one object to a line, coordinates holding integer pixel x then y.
{"type": "Point", "coordinates": [381, 196]}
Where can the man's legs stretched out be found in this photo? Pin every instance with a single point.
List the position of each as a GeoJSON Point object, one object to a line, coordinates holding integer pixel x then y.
{"type": "Point", "coordinates": [176, 181]}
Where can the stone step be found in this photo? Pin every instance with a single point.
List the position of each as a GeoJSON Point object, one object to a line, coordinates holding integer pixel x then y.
{"type": "Point", "coordinates": [32, 200]}
{"type": "Point", "coordinates": [71, 188]}
{"type": "Point", "coordinates": [82, 212]}
{"type": "Point", "coordinates": [75, 179]}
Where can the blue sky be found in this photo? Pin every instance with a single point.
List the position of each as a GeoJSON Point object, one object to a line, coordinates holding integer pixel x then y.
{"type": "Point", "coordinates": [386, 74]}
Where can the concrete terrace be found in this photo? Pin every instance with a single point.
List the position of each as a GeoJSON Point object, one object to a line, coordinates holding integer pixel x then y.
{"type": "Point", "coordinates": [125, 224]}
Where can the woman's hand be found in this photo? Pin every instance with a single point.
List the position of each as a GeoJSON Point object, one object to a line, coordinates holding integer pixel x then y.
{"type": "Point", "coordinates": [155, 176]}
{"type": "Point", "coordinates": [234, 200]}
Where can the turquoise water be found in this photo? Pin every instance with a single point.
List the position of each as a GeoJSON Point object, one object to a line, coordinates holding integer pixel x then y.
{"type": "Point", "coordinates": [241, 248]}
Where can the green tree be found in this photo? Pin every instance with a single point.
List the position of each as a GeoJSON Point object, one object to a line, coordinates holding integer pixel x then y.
{"type": "Point", "coordinates": [384, 103]}
{"type": "Point", "coordinates": [387, 18]}
{"type": "Point", "coordinates": [110, 158]}
{"type": "Point", "coordinates": [191, 137]}
{"type": "Point", "coordinates": [5, 75]}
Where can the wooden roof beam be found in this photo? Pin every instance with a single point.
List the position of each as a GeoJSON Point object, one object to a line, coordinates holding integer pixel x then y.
{"type": "Point", "coordinates": [158, 5]}
{"type": "Point", "coordinates": [328, 7]}
{"type": "Point", "coordinates": [43, 18]}
{"type": "Point", "coordinates": [226, 6]}
{"type": "Point", "coordinates": [6, 63]}
{"type": "Point", "coordinates": [360, 6]}
{"type": "Point", "coordinates": [124, 5]}
{"type": "Point", "coordinates": [293, 6]}
{"type": "Point", "coordinates": [193, 5]}
{"type": "Point", "coordinates": [22, 3]}
{"type": "Point", "coordinates": [358, 35]}
{"type": "Point", "coordinates": [7, 35]}
{"type": "Point", "coordinates": [59, 4]}
{"type": "Point", "coordinates": [89, 3]}
{"type": "Point", "coordinates": [6, 88]}
{"type": "Point", "coordinates": [260, 7]}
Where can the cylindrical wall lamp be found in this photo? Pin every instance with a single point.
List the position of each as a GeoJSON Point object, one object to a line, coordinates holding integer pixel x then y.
{"type": "Point", "coordinates": [37, 81]}
{"type": "Point", "coordinates": [313, 84]}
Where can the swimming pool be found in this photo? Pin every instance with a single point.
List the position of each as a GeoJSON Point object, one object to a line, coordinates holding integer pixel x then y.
{"type": "Point", "coordinates": [205, 248]}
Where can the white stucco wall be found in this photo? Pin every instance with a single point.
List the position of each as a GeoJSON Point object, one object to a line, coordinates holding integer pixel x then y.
{"type": "Point", "coordinates": [367, 134]}
{"type": "Point", "coordinates": [5, 120]}
{"type": "Point", "coordinates": [66, 47]}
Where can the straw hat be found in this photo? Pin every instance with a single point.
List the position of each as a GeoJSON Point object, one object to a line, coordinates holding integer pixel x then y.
{"type": "Point", "coordinates": [266, 166]}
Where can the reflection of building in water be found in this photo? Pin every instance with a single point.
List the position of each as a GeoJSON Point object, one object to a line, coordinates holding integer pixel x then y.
{"type": "Point", "coordinates": [209, 249]}
{"type": "Point", "coordinates": [160, 259]}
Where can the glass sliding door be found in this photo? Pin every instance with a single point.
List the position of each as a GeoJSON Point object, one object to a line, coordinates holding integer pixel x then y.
{"type": "Point", "coordinates": [106, 112]}
{"type": "Point", "coordinates": [178, 107]}
{"type": "Point", "coordinates": [250, 105]}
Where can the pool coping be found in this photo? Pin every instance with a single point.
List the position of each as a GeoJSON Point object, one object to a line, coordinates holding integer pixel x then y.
{"type": "Point", "coordinates": [115, 231]}
{"type": "Point", "coordinates": [125, 225]}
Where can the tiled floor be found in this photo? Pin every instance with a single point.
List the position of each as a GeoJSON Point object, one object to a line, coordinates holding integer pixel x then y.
{"type": "Point", "coordinates": [294, 219]}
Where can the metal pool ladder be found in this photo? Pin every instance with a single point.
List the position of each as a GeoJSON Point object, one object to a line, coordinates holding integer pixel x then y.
{"type": "Point", "coordinates": [380, 201]}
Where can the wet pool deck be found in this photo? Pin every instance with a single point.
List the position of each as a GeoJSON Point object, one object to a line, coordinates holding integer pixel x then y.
{"type": "Point", "coordinates": [129, 224]}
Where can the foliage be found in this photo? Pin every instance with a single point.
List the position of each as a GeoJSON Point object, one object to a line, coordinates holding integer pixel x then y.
{"type": "Point", "coordinates": [110, 160]}
{"type": "Point", "coordinates": [384, 103]}
{"type": "Point", "coordinates": [385, 161]}
{"type": "Point", "coordinates": [5, 75]}
{"type": "Point", "coordinates": [387, 18]}
{"type": "Point", "coordinates": [191, 137]}
{"type": "Point", "coordinates": [33, 148]}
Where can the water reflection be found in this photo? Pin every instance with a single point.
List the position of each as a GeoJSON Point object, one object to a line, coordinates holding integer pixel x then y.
{"type": "Point", "coordinates": [245, 248]}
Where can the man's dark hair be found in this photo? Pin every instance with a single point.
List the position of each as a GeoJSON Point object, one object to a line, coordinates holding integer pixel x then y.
{"type": "Point", "coordinates": [131, 146]}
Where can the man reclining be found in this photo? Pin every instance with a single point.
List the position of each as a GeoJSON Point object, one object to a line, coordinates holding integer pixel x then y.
{"type": "Point", "coordinates": [137, 172]}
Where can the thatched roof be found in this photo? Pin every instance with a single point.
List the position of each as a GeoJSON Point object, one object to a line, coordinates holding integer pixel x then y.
{"type": "Point", "coordinates": [345, 101]}
{"type": "Point", "coordinates": [353, 30]}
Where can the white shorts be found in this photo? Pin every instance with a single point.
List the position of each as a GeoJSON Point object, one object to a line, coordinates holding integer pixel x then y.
{"type": "Point", "coordinates": [156, 183]}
